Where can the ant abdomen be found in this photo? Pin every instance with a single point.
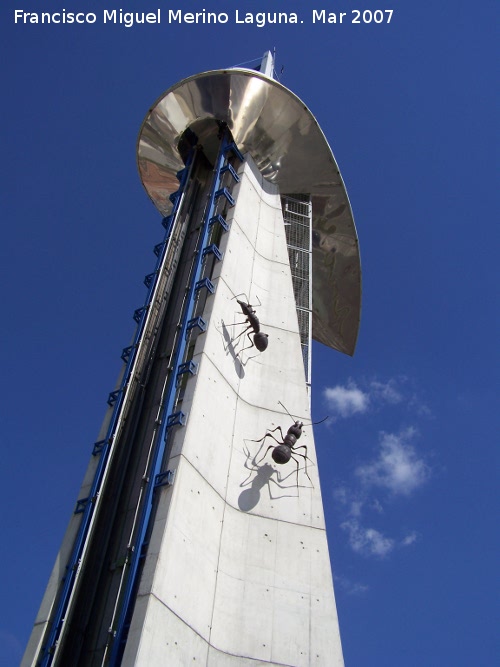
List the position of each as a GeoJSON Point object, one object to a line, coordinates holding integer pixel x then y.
{"type": "Point", "coordinates": [281, 454]}
{"type": "Point", "coordinates": [260, 341]}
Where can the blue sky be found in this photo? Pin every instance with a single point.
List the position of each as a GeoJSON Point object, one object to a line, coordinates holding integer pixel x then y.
{"type": "Point", "coordinates": [409, 457]}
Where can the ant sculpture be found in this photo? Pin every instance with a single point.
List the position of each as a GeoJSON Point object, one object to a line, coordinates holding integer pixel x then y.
{"type": "Point", "coordinates": [260, 339]}
{"type": "Point", "coordinates": [287, 449]}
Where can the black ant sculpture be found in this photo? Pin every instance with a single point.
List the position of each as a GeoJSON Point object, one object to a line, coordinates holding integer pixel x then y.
{"type": "Point", "coordinates": [286, 450]}
{"type": "Point", "coordinates": [260, 339]}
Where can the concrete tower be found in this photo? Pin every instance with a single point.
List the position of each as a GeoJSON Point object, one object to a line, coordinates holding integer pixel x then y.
{"type": "Point", "coordinates": [194, 539]}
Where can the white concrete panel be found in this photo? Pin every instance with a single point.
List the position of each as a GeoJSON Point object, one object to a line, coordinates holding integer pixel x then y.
{"type": "Point", "coordinates": [266, 190]}
{"type": "Point", "coordinates": [258, 225]}
{"type": "Point", "coordinates": [162, 639]}
{"type": "Point", "coordinates": [326, 647]}
{"type": "Point", "coordinates": [273, 284]}
{"type": "Point", "coordinates": [268, 564]}
{"type": "Point", "coordinates": [248, 548]}
{"type": "Point", "coordinates": [242, 618]}
{"type": "Point", "coordinates": [271, 237]}
{"type": "Point", "coordinates": [275, 376]}
{"type": "Point", "coordinates": [247, 199]}
{"type": "Point", "coordinates": [263, 226]}
{"type": "Point", "coordinates": [181, 565]}
{"type": "Point", "coordinates": [238, 262]}
{"type": "Point", "coordinates": [206, 440]}
{"type": "Point", "coordinates": [304, 551]}
{"type": "Point", "coordinates": [291, 621]}
{"type": "Point", "coordinates": [275, 552]}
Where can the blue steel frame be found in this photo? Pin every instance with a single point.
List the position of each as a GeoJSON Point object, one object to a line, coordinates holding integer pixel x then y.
{"type": "Point", "coordinates": [168, 420]}
{"type": "Point", "coordinates": [86, 506]}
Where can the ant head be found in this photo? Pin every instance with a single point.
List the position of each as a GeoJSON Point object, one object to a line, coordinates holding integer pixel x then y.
{"type": "Point", "coordinates": [296, 429]}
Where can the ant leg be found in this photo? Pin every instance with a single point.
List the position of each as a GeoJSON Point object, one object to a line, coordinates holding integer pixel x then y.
{"type": "Point", "coordinates": [272, 430]}
{"type": "Point", "coordinates": [278, 428]}
{"type": "Point", "coordinates": [248, 346]}
{"type": "Point", "coordinates": [268, 435]}
{"type": "Point", "coordinates": [305, 457]}
{"type": "Point", "coordinates": [249, 460]}
{"type": "Point", "coordinates": [244, 330]}
{"type": "Point", "coordinates": [302, 447]}
{"type": "Point", "coordinates": [270, 447]}
{"type": "Point", "coordinates": [293, 457]}
{"type": "Point", "coordinates": [305, 468]}
{"type": "Point", "coordinates": [268, 432]}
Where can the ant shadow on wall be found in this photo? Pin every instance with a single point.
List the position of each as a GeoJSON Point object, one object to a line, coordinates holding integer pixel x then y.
{"type": "Point", "coordinates": [266, 476]}
{"type": "Point", "coordinates": [229, 349]}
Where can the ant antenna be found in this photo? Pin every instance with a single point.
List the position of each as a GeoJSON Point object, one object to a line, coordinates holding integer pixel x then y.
{"type": "Point", "coordinates": [321, 421]}
{"type": "Point", "coordinates": [292, 417]}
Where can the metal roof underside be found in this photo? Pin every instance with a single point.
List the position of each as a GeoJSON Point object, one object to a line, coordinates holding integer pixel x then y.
{"type": "Point", "coordinates": [272, 124]}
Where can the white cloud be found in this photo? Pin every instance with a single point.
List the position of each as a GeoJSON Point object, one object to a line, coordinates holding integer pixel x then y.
{"type": "Point", "coordinates": [356, 507]}
{"type": "Point", "coordinates": [371, 542]}
{"type": "Point", "coordinates": [419, 407]}
{"type": "Point", "coordinates": [350, 587]}
{"type": "Point", "coordinates": [367, 541]}
{"type": "Point", "coordinates": [397, 467]}
{"type": "Point", "coordinates": [376, 505]}
{"type": "Point", "coordinates": [409, 539]}
{"type": "Point", "coordinates": [342, 494]}
{"type": "Point", "coordinates": [353, 503]}
{"type": "Point", "coordinates": [346, 401]}
{"type": "Point", "coordinates": [386, 392]}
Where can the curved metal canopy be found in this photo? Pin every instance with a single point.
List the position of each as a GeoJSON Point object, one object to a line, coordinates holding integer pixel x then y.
{"type": "Point", "coordinates": [284, 139]}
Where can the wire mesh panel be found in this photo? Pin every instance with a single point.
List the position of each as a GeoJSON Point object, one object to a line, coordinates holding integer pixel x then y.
{"type": "Point", "coordinates": [297, 216]}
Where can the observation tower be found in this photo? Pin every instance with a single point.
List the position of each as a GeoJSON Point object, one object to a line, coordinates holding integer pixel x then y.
{"type": "Point", "coordinates": [198, 535]}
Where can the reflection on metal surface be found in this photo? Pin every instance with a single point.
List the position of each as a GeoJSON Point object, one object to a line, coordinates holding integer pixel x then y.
{"type": "Point", "coordinates": [276, 128]}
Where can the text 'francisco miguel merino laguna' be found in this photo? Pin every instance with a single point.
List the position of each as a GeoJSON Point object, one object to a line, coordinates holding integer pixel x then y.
{"type": "Point", "coordinates": [129, 19]}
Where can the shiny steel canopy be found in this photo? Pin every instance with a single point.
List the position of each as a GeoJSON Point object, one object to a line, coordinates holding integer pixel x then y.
{"type": "Point", "coordinates": [284, 139]}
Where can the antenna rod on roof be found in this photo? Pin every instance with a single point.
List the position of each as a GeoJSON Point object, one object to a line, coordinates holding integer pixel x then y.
{"type": "Point", "coordinates": [267, 64]}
